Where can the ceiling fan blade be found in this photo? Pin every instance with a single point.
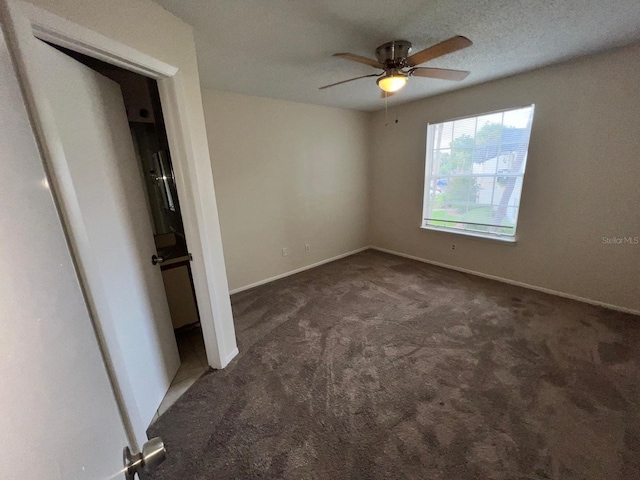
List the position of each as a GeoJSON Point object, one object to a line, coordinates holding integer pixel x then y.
{"type": "Point", "coordinates": [359, 59]}
{"type": "Point", "coordinates": [443, 48]}
{"type": "Point", "coordinates": [441, 73]}
{"type": "Point", "coordinates": [350, 80]}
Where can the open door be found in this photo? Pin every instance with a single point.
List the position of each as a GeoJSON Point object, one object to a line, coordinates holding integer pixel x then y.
{"type": "Point", "coordinates": [112, 228]}
{"type": "Point", "coordinates": [60, 419]}
{"type": "Point", "coordinates": [82, 124]}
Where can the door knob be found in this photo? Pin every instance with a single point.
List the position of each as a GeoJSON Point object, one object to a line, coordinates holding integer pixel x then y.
{"type": "Point", "coordinates": [156, 260]}
{"type": "Point", "coordinates": [153, 454]}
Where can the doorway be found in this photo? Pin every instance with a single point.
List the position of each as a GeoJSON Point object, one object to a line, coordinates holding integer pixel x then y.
{"type": "Point", "coordinates": [157, 181]}
{"type": "Point", "coordinates": [149, 51]}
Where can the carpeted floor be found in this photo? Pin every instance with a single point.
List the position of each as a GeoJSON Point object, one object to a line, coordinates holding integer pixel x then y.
{"type": "Point", "coordinates": [376, 366]}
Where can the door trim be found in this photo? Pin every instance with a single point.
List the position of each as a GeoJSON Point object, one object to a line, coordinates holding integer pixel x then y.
{"type": "Point", "coordinates": [24, 24]}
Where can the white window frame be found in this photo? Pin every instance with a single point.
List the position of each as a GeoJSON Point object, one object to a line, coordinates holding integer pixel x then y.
{"type": "Point", "coordinates": [500, 237]}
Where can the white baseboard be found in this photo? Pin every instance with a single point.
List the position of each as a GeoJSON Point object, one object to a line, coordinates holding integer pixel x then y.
{"type": "Point", "coordinates": [297, 270]}
{"type": "Point", "coordinates": [513, 282]}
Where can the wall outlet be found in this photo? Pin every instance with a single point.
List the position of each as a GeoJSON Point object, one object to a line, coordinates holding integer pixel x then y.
{"type": "Point", "coordinates": [453, 246]}
{"type": "Point", "coordinates": [307, 248]}
{"type": "Point", "coordinates": [285, 251]}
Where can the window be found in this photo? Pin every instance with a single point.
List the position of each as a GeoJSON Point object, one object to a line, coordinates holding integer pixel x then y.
{"type": "Point", "coordinates": [474, 172]}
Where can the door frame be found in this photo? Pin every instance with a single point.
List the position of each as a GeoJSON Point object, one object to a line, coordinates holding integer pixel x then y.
{"type": "Point", "coordinates": [25, 23]}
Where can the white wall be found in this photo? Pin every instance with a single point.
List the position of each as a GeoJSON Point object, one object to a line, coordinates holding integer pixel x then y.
{"type": "Point", "coordinates": [581, 182]}
{"type": "Point", "coordinates": [287, 174]}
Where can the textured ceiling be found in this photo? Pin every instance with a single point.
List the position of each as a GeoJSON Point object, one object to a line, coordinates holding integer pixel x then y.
{"type": "Point", "coordinates": [282, 48]}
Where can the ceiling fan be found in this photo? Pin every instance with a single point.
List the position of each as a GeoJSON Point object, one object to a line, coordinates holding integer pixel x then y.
{"type": "Point", "coordinates": [397, 65]}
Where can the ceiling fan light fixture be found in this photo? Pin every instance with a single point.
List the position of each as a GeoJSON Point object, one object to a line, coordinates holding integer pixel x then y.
{"type": "Point", "coordinates": [392, 83]}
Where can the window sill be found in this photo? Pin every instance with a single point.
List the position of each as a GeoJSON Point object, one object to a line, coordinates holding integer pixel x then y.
{"type": "Point", "coordinates": [498, 239]}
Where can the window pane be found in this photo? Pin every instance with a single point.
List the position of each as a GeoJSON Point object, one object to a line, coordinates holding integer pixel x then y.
{"type": "Point", "coordinates": [461, 161]}
{"type": "Point", "coordinates": [508, 191]}
{"type": "Point", "coordinates": [490, 119]}
{"type": "Point", "coordinates": [474, 178]}
{"type": "Point", "coordinates": [465, 128]}
{"type": "Point", "coordinates": [518, 118]}
{"type": "Point", "coordinates": [488, 190]}
{"type": "Point", "coordinates": [441, 161]}
{"type": "Point", "coordinates": [447, 134]}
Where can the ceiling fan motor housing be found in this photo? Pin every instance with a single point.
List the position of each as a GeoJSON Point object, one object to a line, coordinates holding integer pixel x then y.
{"type": "Point", "coordinates": [392, 54]}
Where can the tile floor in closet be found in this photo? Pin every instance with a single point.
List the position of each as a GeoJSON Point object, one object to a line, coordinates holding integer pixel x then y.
{"type": "Point", "coordinates": [194, 364]}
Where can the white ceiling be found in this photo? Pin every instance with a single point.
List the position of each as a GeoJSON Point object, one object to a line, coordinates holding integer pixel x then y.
{"type": "Point", "coordinates": [282, 48]}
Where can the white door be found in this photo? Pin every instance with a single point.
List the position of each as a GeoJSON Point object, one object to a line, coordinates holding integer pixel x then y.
{"type": "Point", "coordinates": [59, 418]}
{"type": "Point", "coordinates": [109, 224]}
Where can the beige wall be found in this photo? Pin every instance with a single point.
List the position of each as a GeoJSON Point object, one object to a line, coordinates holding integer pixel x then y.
{"type": "Point", "coordinates": [287, 174]}
{"type": "Point", "coordinates": [581, 184]}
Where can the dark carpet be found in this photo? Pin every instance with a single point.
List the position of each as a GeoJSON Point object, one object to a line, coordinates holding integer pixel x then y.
{"type": "Point", "coordinates": [376, 367]}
